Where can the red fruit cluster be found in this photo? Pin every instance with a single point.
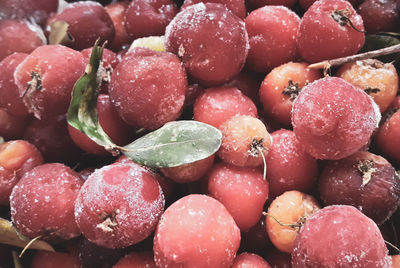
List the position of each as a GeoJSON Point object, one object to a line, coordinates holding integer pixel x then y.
{"type": "Point", "coordinates": [307, 172]}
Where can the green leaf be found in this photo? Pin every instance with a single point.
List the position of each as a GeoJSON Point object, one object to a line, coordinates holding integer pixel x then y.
{"type": "Point", "coordinates": [175, 144]}
{"type": "Point", "coordinates": [378, 41]}
{"type": "Point", "coordinates": [82, 112]}
{"type": "Point", "coordinates": [10, 236]}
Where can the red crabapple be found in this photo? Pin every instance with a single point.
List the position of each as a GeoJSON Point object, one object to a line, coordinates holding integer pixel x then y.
{"type": "Point", "coordinates": [289, 167]}
{"type": "Point", "coordinates": [19, 36]}
{"type": "Point", "coordinates": [291, 209]}
{"type": "Point", "coordinates": [42, 202]}
{"type": "Point", "coordinates": [216, 105]}
{"type": "Point", "coordinates": [12, 127]}
{"type": "Point", "coordinates": [189, 172]}
{"type": "Point", "coordinates": [196, 231]}
{"type": "Point", "coordinates": [144, 259]}
{"type": "Point", "coordinates": [282, 86]}
{"type": "Point", "coordinates": [339, 236]}
{"type": "Point", "coordinates": [388, 137]}
{"type": "Point", "coordinates": [148, 17]}
{"type": "Point", "coordinates": [212, 42]}
{"type": "Point", "coordinates": [330, 29]}
{"type": "Point", "coordinates": [36, 10]}
{"type": "Point", "coordinates": [91, 255]}
{"type": "Point", "coordinates": [245, 259]}
{"type": "Point", "coordinates": [273, 37]}
{"type": "Point", "coordinates": [51, 137]}
{"type": "Point", "coordinates": [10, 99]}
{"type": "Point", "coordinates": [148, 88]}
{"type": "Point", "coordinates": [379, 80]}
{"type": "Point", "coordinates": [244, 139]}
{"type": "Point", "coordinates": [242, 190]}
{"type": "Point", "coordinates": [46, 78]}
{"type": "Point", "coordinates": [333, 119]}
{"type": "Point", "coordinates": [254, 4]}
{"type": "Point", "coordinates": [116, 11]}
{"type": "Point", "coordinates": [87, 21]}
{"type": "Point", "coordinates": [118, 131]}
{"type": "Point", "coordinates": [16, 158]}
{"type": "Point", "coordinates": [363, 180]}
{"type": "Point", "coordinates": [379, 15]}
{"type": "Point", "coordinates": [237, 7]}
{"type": "Point", "coordinates": [47, 259]}
{"type": "Point", "coordinates": [119, 205]}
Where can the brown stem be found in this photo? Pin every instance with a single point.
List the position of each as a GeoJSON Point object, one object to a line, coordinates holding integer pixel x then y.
{"type": "Point", "coordinates": [29, 244]}
{"type": "Point", "coordinates": [326, 64]}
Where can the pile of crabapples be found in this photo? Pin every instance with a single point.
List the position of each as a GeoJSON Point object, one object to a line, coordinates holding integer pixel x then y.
{"type": "Point", "coordinates": [306, 173]}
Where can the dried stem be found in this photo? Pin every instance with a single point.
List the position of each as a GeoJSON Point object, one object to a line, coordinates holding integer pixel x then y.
{"type": "Point", "coordinates": [367, 55]}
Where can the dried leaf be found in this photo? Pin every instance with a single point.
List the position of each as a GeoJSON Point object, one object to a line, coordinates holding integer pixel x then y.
{"type": "Point", "coordinates": [10, 236]}
{"type": "Point", "coordinates": [59, 33]}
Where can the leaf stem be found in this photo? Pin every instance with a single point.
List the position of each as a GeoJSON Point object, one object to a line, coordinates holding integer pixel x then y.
{"type": "Point", "coordinates": [29, 244]}
{"type": "Point", "coordinates": [326, 64]}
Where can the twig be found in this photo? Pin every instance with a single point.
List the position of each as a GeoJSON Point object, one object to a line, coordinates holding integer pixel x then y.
{"type": "Point", "coordinates": [326, 64]}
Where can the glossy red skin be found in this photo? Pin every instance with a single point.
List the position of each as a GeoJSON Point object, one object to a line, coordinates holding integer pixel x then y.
{"type": "Point", "coordinates": [143, 259]}
{"type": "Point", "coordinates": [249, 260]}
{"type": "Point", "coordinates": [166, 184]}
{"type": "Point", "coordinates": [17, 36]}
{"type": "Point", "coordinates": [254, 4]}
{"type": "Point", "coordinates": [59, 68]}
{"type": "Point", "coordinates": [116, 11]}
{"type": "Point", "coordinates": [42, 202]}
{"type": "Point", "coordinates": [341, 183]}
{"type": "Point", "coordinates": [87, 22]}
{"type": "Point", "coordinates": [51, 137]}
{"type": "Point", "coordinates": [189, 172]}
{"type": "Point", "coordinates": [242, 190]}
{"type": "Point", "coordinates": [16, 158]}
{"type": "Point", "coordinates": [305, 4]}
{"type": "Point", "coordinates": [273, 41]}
{"type": "Point", "coordinates": [212, 42]}
{"type": "Point", "coordinates": [148, 88]}
{"type": "Point", "coordinates": [128, 191]}
{"type": "Point", "coordinates": [388, 137]}
{"type": "Point", "coordinates": [118, 131]}
{"type": "Point", "coordinates": [333, 119]}
{"type": "Point", "coordinates": [46, 259]}
{"type": "Point", "coordinates": [39, 10]}
{"type": "Point", "coordinates": [339, 236]}
{"type": "Point", "coordinates": [10, 99]}
{"type": "Point", "coordinates": [237, 7]}
{"type": "Point", "coordinates": [196, 231]}
{"type": "Point", "coordinates": [289, 167]}
{"type": "Point", "coordinates": [216, 105]}
{"type": "Point", "coordinates": [322, 38]}
{"type": "Point", "coordinates": [277, 105]}
{"type": "Point", "coordinates": [379, 16]}
{"type": "Point", "coordinates": [149, 17]}
{"type": "Point", "coordinates": [12, 127]}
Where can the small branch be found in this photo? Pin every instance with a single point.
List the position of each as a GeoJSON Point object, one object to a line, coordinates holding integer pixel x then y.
{"type": "Point", "coordinates": [367, 55]}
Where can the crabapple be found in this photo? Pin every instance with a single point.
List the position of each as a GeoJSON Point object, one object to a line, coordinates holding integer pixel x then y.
{"type": "Point", "coordinates": [42, 202]}
{"type": "Point", "coordinates": [333, 119]}
{"type": "Point", "coordinates": [119, 205]}
{"type": "Point", "coordinates": [211, 41]}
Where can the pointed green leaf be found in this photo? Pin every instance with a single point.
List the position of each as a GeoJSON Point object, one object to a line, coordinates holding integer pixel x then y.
{"type": "Point", "coordinates": [10, 236]}
{"type": "Point", "coordinates": [175, 144]}
{"type": "Point", "coordinates": [378, 41]}
{"type": "Point", "coordinates": [82, 112]}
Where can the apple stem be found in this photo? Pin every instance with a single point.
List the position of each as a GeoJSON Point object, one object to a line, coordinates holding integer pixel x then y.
{"type": "Point", "coordinates": [393, 246]}
{"type": "Point", "coordinates": [326, 64]}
